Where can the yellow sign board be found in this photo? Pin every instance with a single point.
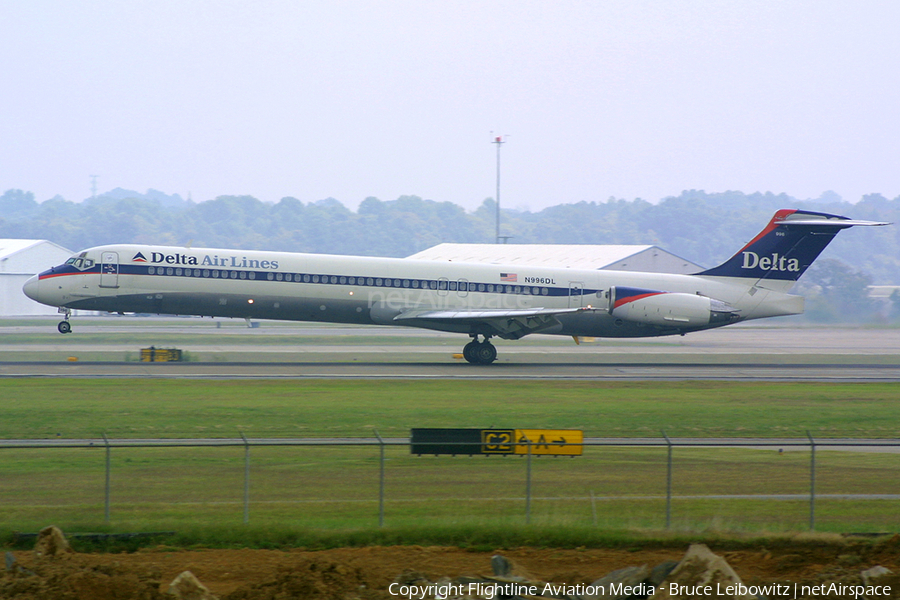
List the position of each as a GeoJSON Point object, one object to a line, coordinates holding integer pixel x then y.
{"type": "Point", "coordinates": [557, 442]}
{"type": "Point", "coordinates": [498, 441]}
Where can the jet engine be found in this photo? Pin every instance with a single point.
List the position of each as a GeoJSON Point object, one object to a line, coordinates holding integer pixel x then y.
{"type": "Point", "coordinates": [668, 309]}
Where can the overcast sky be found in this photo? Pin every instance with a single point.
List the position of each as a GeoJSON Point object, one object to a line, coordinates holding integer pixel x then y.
{"type": "Point", "coordinates": [345, 99]}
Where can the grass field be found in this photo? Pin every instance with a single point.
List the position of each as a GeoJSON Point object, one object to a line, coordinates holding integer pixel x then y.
{"type": "Point", "coordinates": [336, 489]}
{"type": "Point", "coordinates": [74, 408]}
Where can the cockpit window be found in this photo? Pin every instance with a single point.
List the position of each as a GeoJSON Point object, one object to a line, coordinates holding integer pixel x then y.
{"type": "Point", "coordinates": [80, 263]}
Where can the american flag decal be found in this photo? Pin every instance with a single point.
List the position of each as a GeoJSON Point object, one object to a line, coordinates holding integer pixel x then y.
{"type": "Point", "coordinates": [508, 277]}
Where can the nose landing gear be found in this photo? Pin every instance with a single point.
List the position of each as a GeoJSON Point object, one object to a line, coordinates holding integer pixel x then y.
{"type": "Point", "coordinates": [65, 326]}
{"type": "Point", "coordinates": [480, 353]}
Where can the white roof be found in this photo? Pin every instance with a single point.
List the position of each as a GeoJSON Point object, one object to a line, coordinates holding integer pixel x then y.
{"type": "Point", "coordinates": [10, 247]}
{"type": "Point", "coordinates": [30, 256]}
{"type": "Point", "coordinates": [575, 256]}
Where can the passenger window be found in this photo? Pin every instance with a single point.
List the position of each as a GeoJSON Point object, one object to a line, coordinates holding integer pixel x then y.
{"type": "Point", "coordinates": [243, 274]}
{"type": "Point", "coordinates": [151, 270]}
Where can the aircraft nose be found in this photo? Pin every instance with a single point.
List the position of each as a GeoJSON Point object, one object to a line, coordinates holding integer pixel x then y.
{"type": "Point", "coordinates": [32, 288]}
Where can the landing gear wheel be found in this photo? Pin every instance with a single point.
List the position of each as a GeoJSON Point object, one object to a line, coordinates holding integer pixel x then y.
{"type": "Point", "coordinates": [485, 353]}
{"type": "Point", "coordinates": [64, 327]}
{"type": "Point", "coordinates": [469, 351]}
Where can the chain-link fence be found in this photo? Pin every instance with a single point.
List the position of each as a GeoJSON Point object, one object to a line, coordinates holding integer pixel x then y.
{"type": "Point", "coordinates": [686, 484]}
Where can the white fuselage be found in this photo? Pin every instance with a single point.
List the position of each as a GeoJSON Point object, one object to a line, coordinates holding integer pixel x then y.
{"type": "Point", "coordinates": [385, 291]}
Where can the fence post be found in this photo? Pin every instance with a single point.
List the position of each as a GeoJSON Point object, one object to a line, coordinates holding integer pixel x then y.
{"type": "Point", "coordinates": [380, 480]}
{"type": "Point", "coordinates": [668, 481]}
{"type": "Point", "coordinates": [528, 483]}
{"type": "Point", "coordinates": [246, 478]}
{"type": "Point", "coordinates": [106, 486]}
{"type": "Point", "coordinates": [812, 482]}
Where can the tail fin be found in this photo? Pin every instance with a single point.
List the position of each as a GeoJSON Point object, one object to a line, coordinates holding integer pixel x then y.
{"type": "Point", "coordinates": [788, 245]}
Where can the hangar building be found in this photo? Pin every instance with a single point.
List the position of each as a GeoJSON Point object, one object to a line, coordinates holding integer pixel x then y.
{"type": "Point", "coordinates": [19, 260]}
{"type": "Point", "coordinates": [651, 259]}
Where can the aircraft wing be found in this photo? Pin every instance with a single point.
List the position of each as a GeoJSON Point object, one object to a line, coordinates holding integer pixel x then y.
{"type": "Point", "coordinates": [511, 323]}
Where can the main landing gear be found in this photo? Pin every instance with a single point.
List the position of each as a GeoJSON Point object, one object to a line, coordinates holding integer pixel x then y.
{"type": "Point", "coordinates": [64, 326]}
{"type": "Point", "coordinates": [480, 353]}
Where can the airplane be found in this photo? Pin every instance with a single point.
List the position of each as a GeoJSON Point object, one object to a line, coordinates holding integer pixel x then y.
{"type": "Point", "coordinates": [478, 300]}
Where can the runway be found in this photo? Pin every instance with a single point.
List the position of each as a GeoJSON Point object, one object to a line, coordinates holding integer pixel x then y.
{"type": "Point", "coordinates": [407, 370]}
{"type": "Point", "coordinates": [109, 347]}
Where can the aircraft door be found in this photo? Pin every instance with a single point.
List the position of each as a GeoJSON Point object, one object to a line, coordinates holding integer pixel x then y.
{"type": "Point", "coordinates": [109, 270]}
{"type": "Point", "coordinates": [576, 294]}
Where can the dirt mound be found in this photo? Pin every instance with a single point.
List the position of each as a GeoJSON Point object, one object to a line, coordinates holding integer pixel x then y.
{"type": "Point", "coordinates": [366, 573]}
{"type": "Point", "coordinates": [80, 580]}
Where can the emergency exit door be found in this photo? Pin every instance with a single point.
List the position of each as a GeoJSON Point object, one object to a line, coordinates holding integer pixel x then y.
{"type": "Point", "coordinates": [576, 294]}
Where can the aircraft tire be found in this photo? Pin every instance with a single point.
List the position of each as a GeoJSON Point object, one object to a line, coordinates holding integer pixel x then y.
{"type": "Point", "coordinates": [485, 353]}
{"type": "Point", "coordinates": [469, 351]}
{"type": "Point", "coordinates": [64, 327]}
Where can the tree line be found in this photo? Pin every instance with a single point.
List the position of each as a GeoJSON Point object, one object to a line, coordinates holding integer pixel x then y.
{"type": "Point", "coordinates": [706, 228]}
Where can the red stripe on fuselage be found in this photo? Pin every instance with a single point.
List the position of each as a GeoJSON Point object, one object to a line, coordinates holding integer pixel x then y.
{"type": "Point", "coordinates": [49, 275]}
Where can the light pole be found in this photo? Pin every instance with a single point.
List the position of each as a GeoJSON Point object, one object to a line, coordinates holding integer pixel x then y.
{"type": "Point", "coordinates": [499, 142]}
